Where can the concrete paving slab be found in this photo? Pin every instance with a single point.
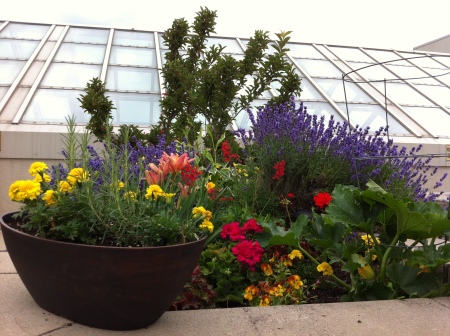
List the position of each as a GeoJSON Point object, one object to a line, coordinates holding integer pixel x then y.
{"type": "Point", "coordinates": [6, 265]}
{"type": "Point", "coordinates": [2, 242]}
{"type": "Point", "coordinates": [19, 314]}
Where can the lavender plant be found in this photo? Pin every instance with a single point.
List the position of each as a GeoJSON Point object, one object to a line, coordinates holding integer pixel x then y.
{"type": "Point", "coordinates": [316, 156]}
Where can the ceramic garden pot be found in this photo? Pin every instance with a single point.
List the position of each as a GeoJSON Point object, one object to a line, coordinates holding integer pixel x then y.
{"type": "Point", "coordinates": [116, 288]}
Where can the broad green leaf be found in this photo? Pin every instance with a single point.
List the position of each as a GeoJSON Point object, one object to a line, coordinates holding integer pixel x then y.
{"type": "Point", "coordinates": [410, 279]}
{"type": "Point", "coordinates": [344, 207]}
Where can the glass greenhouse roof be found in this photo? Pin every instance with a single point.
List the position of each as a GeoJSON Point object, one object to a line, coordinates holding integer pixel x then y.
{"type": "Point", "coordinates": [44, 69]}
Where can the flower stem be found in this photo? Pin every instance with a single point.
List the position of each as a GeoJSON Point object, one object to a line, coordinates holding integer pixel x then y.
{"type": "Point", "coordinates": [386, 256]}
{"type": "Point", "coordinates": [335, 278]}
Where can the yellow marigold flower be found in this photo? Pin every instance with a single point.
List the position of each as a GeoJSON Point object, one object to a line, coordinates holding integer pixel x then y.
{"type": "Point", "coordinates": [130, 195]}
{"type": "Point", "coordinates": [45, 177]}
{"type": "Point", "coordinates": [206, 224]}
{"type": "Point", "coordinates": [198, 211]}
{"type": "Point", "coordinates": [153, 192]}
{"type": "Point", "coordinates": [37, 167]}
{"type": "Point", "coordinates": [77, 175]}
{"type": "Point", "coordinates": [295, 281]}
{"type": "Point", "coordinates": [121, 185]}
{"type": "Point", "coordinates": [49, 197]}
{"type": "Point", "coordinates": [325, 268]}
{"type": "Point", "coordinates": [251, 292]}
{"type": "Point", "coordinates": [14, 191]}
{"type": "Point", "coordinates": [65, 186]}
{"type": "Point", "coordinates": [295, 254]}
{"type": "Point", "coordinates": [24, 189]}
{"type": "Point", "coordinates": [369, 241]}
{"type": "Point", "coordinates": [265, 301]}
{"type": "Point", "coordinates": [266, 269]}
{"type": "Point", "coordinates": [210, 186]}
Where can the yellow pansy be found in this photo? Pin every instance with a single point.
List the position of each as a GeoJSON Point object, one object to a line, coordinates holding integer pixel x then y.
{"type": "Point", "coordinates": [325, 268]}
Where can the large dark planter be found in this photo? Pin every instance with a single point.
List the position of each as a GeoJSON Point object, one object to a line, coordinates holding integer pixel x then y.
{"type": "Point", "coordinates": [116, 288]}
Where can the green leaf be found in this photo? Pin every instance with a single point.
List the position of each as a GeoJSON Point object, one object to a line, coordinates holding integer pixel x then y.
{"type": "Point", "coordinates": [345, 207]}
{"type": "Point", "coordinates": [410, 279]}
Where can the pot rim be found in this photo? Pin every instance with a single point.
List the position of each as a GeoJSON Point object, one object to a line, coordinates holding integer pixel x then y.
{"type": "Point", "coordinates": [4, 225]}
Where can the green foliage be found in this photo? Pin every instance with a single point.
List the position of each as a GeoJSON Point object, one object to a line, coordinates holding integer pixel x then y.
{"type": "Point", "coordinates": [220, 267]}
{"type": "Point", "coordinates": [98, 105]}
{"type": "Point", "coordinates": [366, 230]}
{"type": "Point", "coordinates": [204, 89]}
{"type": "Point", "coordinates": [104, 199]}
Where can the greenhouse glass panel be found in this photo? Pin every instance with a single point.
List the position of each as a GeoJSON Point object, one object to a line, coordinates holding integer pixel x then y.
{"type": "Point", "coordinates": [372, 72]}
{"type": "Point", "coordinates": [52, 106]}
{"type": "Point", "coordinates": [322, 109]}
{"type": "Point", "coordinates": [440, 94]}
{"type": "Point", "coordinates": [70, 75]}
{"type": "Point", "coordinates": [433, 119]}
{"type": "Point", "coordinates": [303, 51]}
{"type": "Point", "coordinates": [373, 116]}
{"type": "Point", "coordinates": [442, 59]}
{"type": "Point", "coordinates": [387, 56]}
{"type": "Point", "coordinates": [86, 53]}
{"type": "Point", "coordinates": [442, 75]}
{"type": "Point", "coordinates": [319, 68]}
{"type": "Point", "coordinates": [422, 60]}
{"type": "Point", "coordinates": [308, 91]}
{"type": "Point", "coordinates": [412, 74]}
{"type": "Point", "coordinates": [402, 94]}
{"type": "Point", "coordinates": [243, 120]}
{"type": "Point", "coordinates": [9, 70]}
{"type": "Point", "coordinates": [351, 54]}
{"type": "Point", "coordinates": [134, 39]}
{"type": "Point", "coordinates": [3, 90]}
{"type": "Point", "coordinates": [135, 108]}
{"type": "Point", "coordinates": [87, 35]}
{"type": "Point", "coordinates": [231, 45]}
{"type": "Point", "coordinates": [334, 88]}
{"type": "Point", "coordinates": [24, 31]}
{"type": "Point", "coordinates": [133, 56]}
{"type": "Point", "coordinates": [18, 49]}
{"type": "Point", "coordinates": [132, 79]}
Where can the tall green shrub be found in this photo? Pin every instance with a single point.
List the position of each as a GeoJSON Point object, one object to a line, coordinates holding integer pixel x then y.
{"type": "Point", "coordinates": [202, 84]}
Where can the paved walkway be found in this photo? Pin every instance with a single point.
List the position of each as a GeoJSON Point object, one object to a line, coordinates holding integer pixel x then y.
{"type": "Point", "coordinates": [20, 316]}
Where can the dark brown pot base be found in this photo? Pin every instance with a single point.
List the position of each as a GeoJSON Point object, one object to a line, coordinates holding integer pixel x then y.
{"type": "Point", "coordinates": [115, 288]}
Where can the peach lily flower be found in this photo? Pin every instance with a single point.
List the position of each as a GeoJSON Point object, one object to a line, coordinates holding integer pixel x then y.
{"type": "Point", "coordinates": [176, 162]}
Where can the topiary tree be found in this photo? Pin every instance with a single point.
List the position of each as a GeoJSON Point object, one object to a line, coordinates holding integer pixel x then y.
{"type": "Point", "coordinates": [98, 105]}
{"type": "Point", "coordinates": [203, 85]}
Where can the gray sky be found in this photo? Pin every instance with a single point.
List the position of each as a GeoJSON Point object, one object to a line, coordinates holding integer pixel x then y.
{"type": "Point", "coordinates": [390, 24]}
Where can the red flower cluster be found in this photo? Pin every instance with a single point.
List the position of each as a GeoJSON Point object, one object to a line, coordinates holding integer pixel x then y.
{"type": "Point", "coordinates": [233, 231]}
{"type": "Point", "coordinates": [248, 253]}
{"type": "Point", "coordinates": [227, 155]}
{"type": "Point", "coordinates": [190, 174]}
{"type": "Point", "coordinates": [237, 233]}
{"type": "Point", "coordinates": [321, 200]}
{"type": "Point", "coordinates": [279, 169]}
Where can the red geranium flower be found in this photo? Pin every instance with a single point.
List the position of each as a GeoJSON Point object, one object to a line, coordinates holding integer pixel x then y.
{"type": "Point", "coordinates": [233, 231]}
{"type": "Point", "coordinates": [321, 200]}
{"type": "Point", "coordinates": [252, 225]}
{"type": "Point", "coordinates": [248, 253]}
